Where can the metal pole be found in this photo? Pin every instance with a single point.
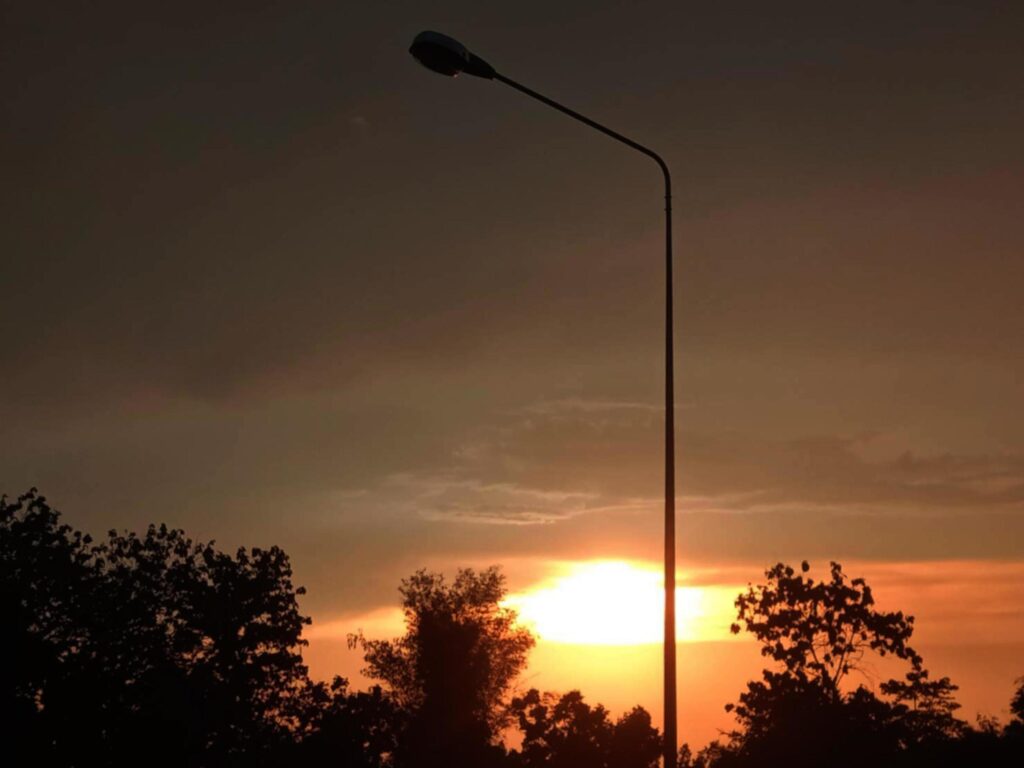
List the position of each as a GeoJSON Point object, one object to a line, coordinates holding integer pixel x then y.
{"type": "Point", "coordinates": [669, 745]}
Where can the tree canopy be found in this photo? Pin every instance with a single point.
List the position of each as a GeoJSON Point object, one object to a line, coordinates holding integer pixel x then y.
{"type": "Point", "coordinates": [565, 732]}
{"type": "Point", "coordinates": [148, 639]}
{"type": "Point", "coordinates": [1017, 702]}
{"type": "Point", "coordinates": [820, 631]}
{"type": "Point", "coordinates": [819, 634]}
{"type": "Point", "coordinates": [453, 668]}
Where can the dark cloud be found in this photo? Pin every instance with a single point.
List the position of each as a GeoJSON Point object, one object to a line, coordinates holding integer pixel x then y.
{"type": "Point", "coordinates": [192, 217]}
{"type": "Point", "coordinates": [560, 458]}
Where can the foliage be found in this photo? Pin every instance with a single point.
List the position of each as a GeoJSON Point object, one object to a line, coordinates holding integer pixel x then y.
{"type": "Point", "coordinates": [1017, 702]}
{"type": "Point", "coordinates": [818, 633]}
{"type": "Point", "coordinates": [710, 756]}
{"type": "Point", "coordinates": [146, 639]}
{"type": "Point", "coordinates": [1015, 728]}
{"type": "Point", "coordinates": [565, 732]}
{"type": "Point", "coordinates": [924, 708]}
{"type": "Point", "coordinates": [44, 588]}
{"type": "Point", "coordinates": [452, 669]}
{"type": "Point", "coordinates": [352, 729]}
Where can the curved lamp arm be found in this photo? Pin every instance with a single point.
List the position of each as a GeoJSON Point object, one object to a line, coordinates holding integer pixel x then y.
{"type": "Point", "coordinates": [597, 126]}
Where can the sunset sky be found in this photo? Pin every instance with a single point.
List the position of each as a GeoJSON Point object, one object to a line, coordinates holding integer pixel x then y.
{"type": "Point", "coordinates": [268, 280]}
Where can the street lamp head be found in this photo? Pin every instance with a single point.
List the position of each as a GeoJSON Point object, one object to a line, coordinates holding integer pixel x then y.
{"type": "Point", "coordinates": [447, 56]}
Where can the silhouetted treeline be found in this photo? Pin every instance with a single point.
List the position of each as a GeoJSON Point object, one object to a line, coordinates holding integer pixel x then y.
{"type": "Point", "coordinates": [806, 711]}
{"type": "Point", "coordinates": [157, 650]}
{"type": "Point", "coordinates": [147, 649]}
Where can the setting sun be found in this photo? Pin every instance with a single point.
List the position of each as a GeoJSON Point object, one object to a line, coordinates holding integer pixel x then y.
{"type": "Point", "coordinates": [615, 602]}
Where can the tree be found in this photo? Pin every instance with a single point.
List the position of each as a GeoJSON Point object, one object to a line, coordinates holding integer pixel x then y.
{"type": "Point", "coordinates": [144, 640]}
{"type": "Point", "coordinates": [818, 633]}
{"type": "Point", "coordinates": [635, 742]}
{"type": "Point", "coordinates": [923, 708]}
{"type": "Point", "coordinates": [1014, 731]}
{"type": "Point", "coordinates": [452, 669]}
{"type": "Point", "coordinates": [352, 729]}
{"type": "Point", "coordinates": [44, 576]}
{"type": "Point", "coordinates": [1017, 702]}
{"type": "Point", "coordinates": [566, 732]}
{"type": "Point", "coordinates": [561, 732]}
{"type": "Point", "coordinates": [211, 641]}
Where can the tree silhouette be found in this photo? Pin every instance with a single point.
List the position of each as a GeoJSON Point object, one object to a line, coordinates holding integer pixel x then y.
{"type": "Point", "coordinates": [210, 637]}
{"type": "Point", "coordinates": [145, 640]}
{"type": "Point", "coordinates": [44, 583]}
{"type": "Point", "coordinates": [818, 633]}
{"type": "Point", "coordinates": [343, 728]}
{"type": "Point", "coordinates": [1017, 702]}
{"type": "Point", "coordinates": [566, 732]}
{"type": "Point", "coordinates": [1014, 731]}
{"type": "Point", "coordinates": [924, 708]}
{"type": "Point", "coordinates": [452, 669]}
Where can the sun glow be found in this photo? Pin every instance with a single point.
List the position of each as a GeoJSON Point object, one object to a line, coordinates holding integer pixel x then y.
{"type": "Point", "coordinates": [615, 602]}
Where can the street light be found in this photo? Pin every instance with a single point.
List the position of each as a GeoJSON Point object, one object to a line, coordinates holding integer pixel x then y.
{"type": "Point", "coordinates": [447, 56]}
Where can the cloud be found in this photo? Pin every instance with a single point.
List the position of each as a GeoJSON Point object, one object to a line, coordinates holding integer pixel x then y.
{"type": "Point", "coordinates": [469, 500]}
{"type": "Point", "coordinates": [558, 459]}
{"type": "Point", "coordinates": [569, 405]}
{"type": "Point", "coordinates": [830, 474]}
{"type": "Point", "coordinates": [454, 497]}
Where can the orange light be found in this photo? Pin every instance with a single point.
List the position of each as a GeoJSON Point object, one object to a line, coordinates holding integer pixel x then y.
{"type": "Point", "coordinates": [616, 602]}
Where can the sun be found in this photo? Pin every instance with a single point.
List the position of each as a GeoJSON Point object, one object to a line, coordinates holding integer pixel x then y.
{"type": "Point", "coordinates": [618, 602]}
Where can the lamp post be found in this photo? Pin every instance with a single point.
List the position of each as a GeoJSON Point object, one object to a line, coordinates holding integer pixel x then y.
{"type": "Point", "coordinates": [449, 57]}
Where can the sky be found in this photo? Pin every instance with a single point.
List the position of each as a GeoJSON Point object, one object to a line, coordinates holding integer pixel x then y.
{"type": "Point", "coordinates": [268, 280]}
